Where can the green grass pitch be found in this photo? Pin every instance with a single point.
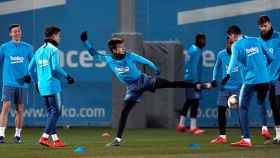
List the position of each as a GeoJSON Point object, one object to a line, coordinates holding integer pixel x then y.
{"type": "Point", "coordinates": [138, 143]}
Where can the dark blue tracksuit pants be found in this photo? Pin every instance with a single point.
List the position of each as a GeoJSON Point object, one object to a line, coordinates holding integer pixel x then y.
{"type": "Point", "coordinates": [53, 104]}
{"type": "Point", "coordinates": [246, 93]}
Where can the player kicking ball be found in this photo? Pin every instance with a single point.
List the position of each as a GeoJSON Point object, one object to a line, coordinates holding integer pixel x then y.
{"type": "Point", "coordinates": [124, 65]}
{"type": "Point", "coordinates": [229, 93]}
{"type": "Point", "coordinates": [45, 70]}
{"type": "Point", "coordinates": [254, 58]}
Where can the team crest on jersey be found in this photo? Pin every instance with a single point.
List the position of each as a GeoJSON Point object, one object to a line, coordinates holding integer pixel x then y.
{"type": "Point", "coordinates": [271, 50]}
{"type": "Point", "coordinates": [16, 59]}
{"type": "Point", "coordinates": [43, 63]}
{"type": "Point", "coordinates": [122, 69]}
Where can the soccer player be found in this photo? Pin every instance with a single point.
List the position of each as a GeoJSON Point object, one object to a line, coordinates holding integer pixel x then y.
{"type": "Point", "coordinates": [45, 70]}
{"type": "Point", "coordinates": [271, 38]}
{"type": "Point", "coordinates": [124, 65]}
{"type": "Point", "coordinates": [254, 58]}
{"type": "Point", "coordinates": [231, 87]}
{"type": "Point", "coordinates": [193, 68]}
{"type": "Point", "coordinates": [15, 56]}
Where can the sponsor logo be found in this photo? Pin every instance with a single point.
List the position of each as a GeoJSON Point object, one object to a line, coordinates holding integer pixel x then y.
{"type": "Point", "coordinates": [252, 51]}
{"type": "Point", "coordinates": [16, 59]}
{"type": "Point", "coordinates": [43, 63]}
{"type": "Point", "coordinates": [122, 69]}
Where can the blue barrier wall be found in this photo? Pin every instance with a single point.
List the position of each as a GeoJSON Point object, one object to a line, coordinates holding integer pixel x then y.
{"type": "Point", "coordinates": [88, 102]}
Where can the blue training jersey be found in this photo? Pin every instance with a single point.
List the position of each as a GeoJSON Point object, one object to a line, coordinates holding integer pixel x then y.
{"type": "Point", "coordinates": [254, 57]}
{"type": "Point", "coordinates": [15, 57]}
{"type": "Point", "coordinates": [193, 64]}
{"type": "Point", "coordinates": [126, 69]}
{"type": "Point", "coordinates": [45, 69]}
{"type": "Point", "coordinates": [221, 66]}
{"type": "Point", "coordinates": [273, 45]}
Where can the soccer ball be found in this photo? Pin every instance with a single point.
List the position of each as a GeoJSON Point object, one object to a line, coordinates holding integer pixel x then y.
{"type": "Point", "coordinates": [233, 101]}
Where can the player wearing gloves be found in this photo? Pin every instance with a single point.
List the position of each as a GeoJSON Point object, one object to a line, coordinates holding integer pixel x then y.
{"type": "Point", "coordinates": [45, 70]}
{"type": "Point", "coordinates": [254, 58]}
{"type": "Point", "coordinates": [15, 56]}
{"type": "Point", "coordinates": [232, 87]}
{"type": "Point", "coordinates": [124, 65]}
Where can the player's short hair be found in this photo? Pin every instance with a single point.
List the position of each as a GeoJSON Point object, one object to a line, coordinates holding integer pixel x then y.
{"type": "Point", "coordinates": [51, 30]}
{"type": "Point", "coordinates": [112, 43]}
{"type": "Point", "coordinates": [200, 36]}
{"type": "Point", "coordinates": [263, 19]}
{"type": "Point", "coordinates": [13, 26]}
{"type": "Point", "coordinates": [234, 29]}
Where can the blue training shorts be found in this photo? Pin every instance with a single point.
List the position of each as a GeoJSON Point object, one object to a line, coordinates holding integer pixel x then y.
{"type": "Point", "coordinates": [135, 89]}
{"type": "Point", "coordinates": [14, 94]}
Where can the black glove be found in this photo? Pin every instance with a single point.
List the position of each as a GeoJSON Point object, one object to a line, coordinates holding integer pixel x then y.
{"type": "Point", "coordinates": [27, 79]}
{"type": "Point", "coordinates": [70, 80]}
{"type": "Point", "coordinates": [224, 81]}
{"type": "Point", "coordinates": [83, 36]}
{"type": "Point", "coordinates": [214, 83]}
{"type": "Point", "coordinates": [37, 88]}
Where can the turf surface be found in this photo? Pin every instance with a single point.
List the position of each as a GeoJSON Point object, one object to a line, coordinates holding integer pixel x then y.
{"type": "Point", "coordinates": [138, 143]}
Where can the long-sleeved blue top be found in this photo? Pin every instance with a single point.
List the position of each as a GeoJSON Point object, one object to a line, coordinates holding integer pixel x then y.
{"type": "Point", "coordinates": [193, 64]}
{"type": "Point", "coordinates": [254, 57]}
{"type": "Point", "coordinates": [273, 45]}
{"type": "Point", "coordinates": [45, 69]}
{"type": "Point", "coordinates": [221, 66]}
{"type": "Point", "coordinates": [15, 57]}
{"type": "Point", "coordinates": [125, 69]}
